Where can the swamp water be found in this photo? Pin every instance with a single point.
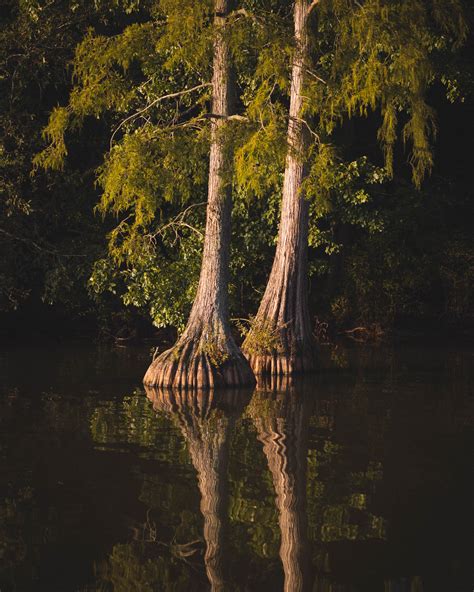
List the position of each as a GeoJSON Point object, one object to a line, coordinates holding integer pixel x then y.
{"type": "Point", "coordinates": [354, 480]}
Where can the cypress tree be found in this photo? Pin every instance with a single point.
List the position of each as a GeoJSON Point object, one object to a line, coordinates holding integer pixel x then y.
{"type": "Point", "coordinates": [349, 58]}
{"type": "Point", "coordinates": [206, 354]}
{"type": "Point", "coordinates": [152, 82]}
{"type": "Point", "coordinates": [285, 303]}
{"type": "Point", "coordinates": [157, 155]}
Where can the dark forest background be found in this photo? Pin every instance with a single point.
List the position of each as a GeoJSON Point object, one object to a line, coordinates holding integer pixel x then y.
{"type": "Point", "coordinates": [417, 274]}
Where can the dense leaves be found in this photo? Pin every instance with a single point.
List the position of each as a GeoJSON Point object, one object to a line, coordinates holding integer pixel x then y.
{"type": "Point", "coordinates": [108, 196]}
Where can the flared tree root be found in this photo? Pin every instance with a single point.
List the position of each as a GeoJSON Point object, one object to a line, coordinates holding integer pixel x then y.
{"type": "Point", "coordinates": [273, 348]}
{"type": "Point", "coordinates": [194, 365]}
{"type": "Point", "coordinates": [278, 364]}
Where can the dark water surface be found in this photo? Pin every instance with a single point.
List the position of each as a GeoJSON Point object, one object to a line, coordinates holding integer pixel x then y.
{"type": "Point", "coordinates": [357, 479]}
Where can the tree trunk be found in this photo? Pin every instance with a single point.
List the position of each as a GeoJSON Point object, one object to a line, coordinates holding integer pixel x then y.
{"type": "Point", "coordinates": [206, 354]}
{"type": "Point", "coordinates": [280, 340]}
{"type": "Point", "coordinates": [207, 436]}
{"type": "Point", "coordinates": [283, 431]}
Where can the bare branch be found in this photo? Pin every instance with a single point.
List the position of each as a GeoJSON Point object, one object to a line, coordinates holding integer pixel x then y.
{"type": "Point", "coordinates": [312, 5]}
{"type": "Point", "coordinates": [153, 103]}
{"type": "Point", "coordinates": [235, 117]}
{"type": "Point", "coordinates": [178, 222]}
{"type": "Point", "coordinates": [305, 123]}
{"type": "Point", "coordinates": [192, 123]}
{"type": "Point", "coordinates": [245, 13]}
{"type": "Point", "coordinates": [311, 73]}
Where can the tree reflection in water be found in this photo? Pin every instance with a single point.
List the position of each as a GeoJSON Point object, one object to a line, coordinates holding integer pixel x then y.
{"type": "Point", "coordinates": [281, 417]}
{"type": "Point", "coordinates": [99, 492]}
{"type": "Point", "coordinates": [206, 420]}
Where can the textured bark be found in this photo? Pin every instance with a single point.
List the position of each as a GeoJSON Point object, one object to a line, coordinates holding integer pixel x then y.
{"type": "Point", "coordinates": [207, 435]}
{"type": "Point", "coordinates": [283, 431]}
{"type": "Point", "coordinates": [284, 306]}
{"type": "Point", "coordinates": [206, 354]}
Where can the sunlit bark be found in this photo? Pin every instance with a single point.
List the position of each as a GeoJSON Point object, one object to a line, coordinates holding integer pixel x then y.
{"type": "Point", "coordinates": [284, 306]}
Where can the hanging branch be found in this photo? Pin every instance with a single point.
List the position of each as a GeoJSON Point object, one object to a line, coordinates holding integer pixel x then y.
{"type": "Point", "coordinates": [306, 124]}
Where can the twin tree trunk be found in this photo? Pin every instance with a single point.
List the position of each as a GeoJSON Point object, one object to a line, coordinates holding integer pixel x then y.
{"type": "Point", "coordinates": [280, 340]}
{"type": "Point", "coordinates": [206, 354]}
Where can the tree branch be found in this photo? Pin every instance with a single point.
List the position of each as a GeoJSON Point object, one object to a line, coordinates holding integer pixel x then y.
{"type": "Point", "coordinates": [234, 117]}
{"type": "Point", "coordinates": [153, 103]}
{"type": "Point", "coordinates": [244, 12]}
{"type": "Point", "coordinates": [305, 123]}
{"type": "Point", "coordinates": [178, 222]}
{"type": "Point", "coordinates": [312, 5]}
{"type": "Point", "coordinates": [315, 76]}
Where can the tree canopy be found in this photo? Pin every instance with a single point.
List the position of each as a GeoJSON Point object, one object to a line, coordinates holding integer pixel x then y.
{"type": "Point", "coordinates": [134, 104]}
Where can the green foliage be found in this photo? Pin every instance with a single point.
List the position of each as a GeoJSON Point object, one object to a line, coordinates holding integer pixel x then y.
{"type": "Point", "coordinates": [157, 162]}
{"type": "Point", "coordinates": [259, 161]}
{"type": "Point", "coordinates": [48, 236]}
{"type": "Point", "coordinates": [102, 69]}
{"type": "Point", "coordinates": [340, 309]}
{"type": "Point", "coordinates": [148, 169]}
{"type": "Point", "coordinates": [406, 272]}
{"type": "Point", "coordinates": [383, 59]}
{"type": "Point", "coordinates": [261, 144]}
{"type": "Point", "coordinates": [371, 61]}
{"type": "Point", "coordinates": [162, 285]}
{"type": "Point", "coordinates": [341, 193]}
{"type": "Point", "coordinates": [212, 349]}
{"type": "Point", "coordinates": [262, 337]}
{"type": "Point", "coordinates": [53, 156]}
{"type": "Point", "coordinates": [187, 38]}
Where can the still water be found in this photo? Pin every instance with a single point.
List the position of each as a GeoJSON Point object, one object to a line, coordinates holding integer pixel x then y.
{"type": "Point", "coordinates": [356, 480]}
